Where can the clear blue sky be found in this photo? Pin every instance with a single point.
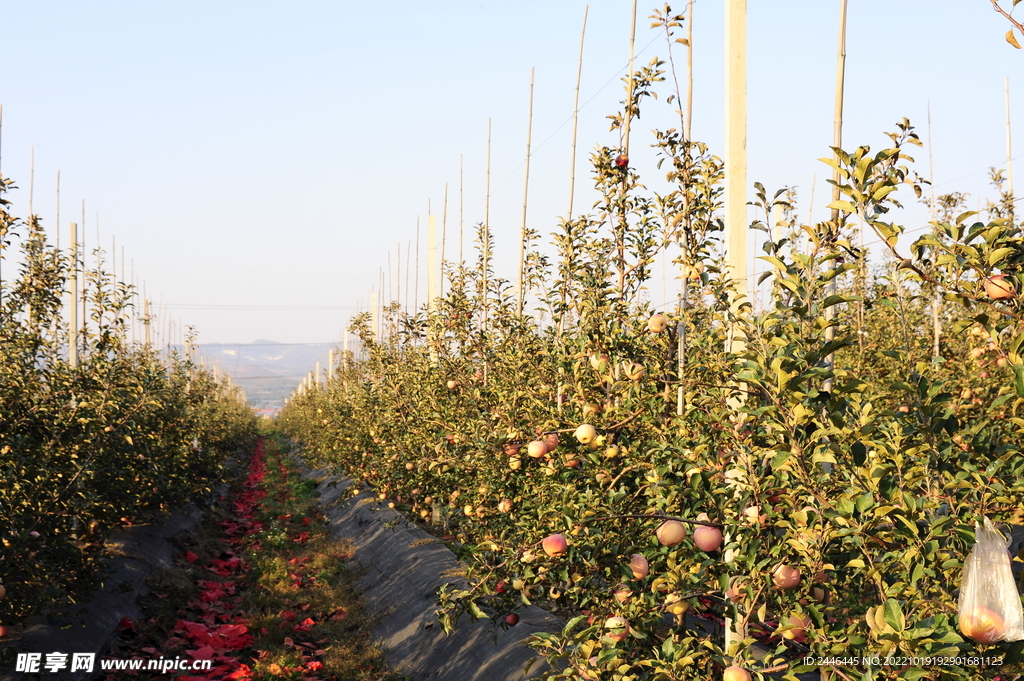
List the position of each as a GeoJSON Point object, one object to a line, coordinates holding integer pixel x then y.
{"type": "Point", "coordinates": [249, 153]}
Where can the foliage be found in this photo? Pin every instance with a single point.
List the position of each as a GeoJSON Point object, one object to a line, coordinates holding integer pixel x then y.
{"type": "Point", "coordinates": [85, 449]}
{"type": "Point", "coordinates": [870, 487]}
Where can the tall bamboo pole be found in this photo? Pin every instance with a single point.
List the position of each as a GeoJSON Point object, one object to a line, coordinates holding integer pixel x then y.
{"type": "Point", "coordinates": [431, 284]}
{"type": "Point", "coordinates": [837, 142]}
{"type": "Point", "coordinates": [487, 227]}
{"type": "Point", "coordinates": [431, 264]}
{"type": "Point", "coordinates": [330, 366]}
{"type": "Point", "coordinates": [408, 267]}
{"type": "Point", "coordinates": [416, 282]}
{"type": "Point", "coordinates": [1009, 141]}
{"type": "Point", "coordinates": [461, 261]}
{"type": "Point", "coordinates": [689, 68]}
{"type": "Point", "coordinates": [576, 117]}
{"type": "Point", "coordinates": [444, 237]}
{"type": "Point", "coordinates": [936, 298]}
{"type": "Point", "coordinates": [526, 195]}
{"type": "Point", "coordinates": [373, 311]}
{"type": "Point", "coordinates": [73, 307]}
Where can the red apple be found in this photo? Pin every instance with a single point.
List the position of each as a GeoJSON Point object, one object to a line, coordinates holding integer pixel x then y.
{"type": "Point", "coordinates": [537, 449]}
{"type": "Point", "coordinates": [554, 545]}
{"type": "Point", "coordinates": [735, 673]}
{"type": "Point", "coordinates": [599, 363]}
{"type": "Point", "coordinates": [4, 631]}
{"type": "Point", "coordinates": [622, 593]}
{"type": "Point", "coordinates": [617, 628]}
{"type": "Point", "coordinates": [639, 566]}
{"type": "Point", "coordinates": [671, 533]}
{"type": "Point", "coordinates": [512, 619]}
{"type": "Point", "coordinates": [999, 287]}
{"type": "Point", "coordinates": [786, 577]}
{"type": "Point", "coordinates": [621, 161]}
{"type": "Point", "coordinates": [800, 623]}
{"type": "Point", "coordinates": [505, 505]}
{"type": "Point", "coordinates": [707, 538]}
{"type": "Point", "coordinates": [551, 440]}
{"type": "Point", "coordinates": [983, 625]}
{"type": "Point", "coordinates": [633, 371]}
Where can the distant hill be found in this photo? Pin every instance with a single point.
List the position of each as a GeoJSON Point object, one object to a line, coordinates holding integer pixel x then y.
{"type": "Point", "coordinates": [268, 371]}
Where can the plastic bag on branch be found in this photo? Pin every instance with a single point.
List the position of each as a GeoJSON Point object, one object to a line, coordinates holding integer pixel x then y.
{"type": "Point", "coordinates": [990, 608]}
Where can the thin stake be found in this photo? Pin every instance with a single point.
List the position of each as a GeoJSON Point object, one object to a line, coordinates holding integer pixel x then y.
{"type": "Point", "coordinates": [487, 224]}
{"type": "Point", "coordinates": [444, 235]}
{"type": "Point", "coordinates": [526, 196]}
{"type": "Point", "coordinates": [31, 179]}
{"type": "Point", "coordinates": [576, 116]}
{"type": "Point", "coordinates": [1009, 142]}
{"type": "Point", "coordinates": [461, 261]}
{"type": "Point", "coordinates": [56, 228]}
{"type": "Point", "coordinates": [689, 68]}
{"type": "Point", "coordinates": [837, 142]}
{"type": "Point", "coordinates": [416, 289]}
{"type": "Point", "coordinates": [73, 307]}
{"type": "Point", "coordinates": [936, 326]}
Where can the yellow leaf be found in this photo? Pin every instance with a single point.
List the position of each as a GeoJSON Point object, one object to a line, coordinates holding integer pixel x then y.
{"type": "Point", "coordinates": [1012, 39]}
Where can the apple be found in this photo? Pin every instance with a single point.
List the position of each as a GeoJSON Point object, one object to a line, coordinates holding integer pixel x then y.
{"type": "Point", "coordinates": [478, 374]}
{"type": "Point", "coordinates": [999, 287]}
{"type": "Point", "coordinates": [622, 593]}
{"type": "Point", "coordinates": [735, 592]}
{"type": "Point", "coordinates": [618, 628]}
{"type": "Point", "coordinates": [452, 385]}
{"type": "Point", "coordinates": [551, 440]}
{"type": "Point", "coordinates": [671, 533]}
{"type": "Point", "coordinates": [585, 433]}
{"type": "Point", "coordinates": [4, 631]}
{"type": "Point", "coordinates": [904, 409]}
{"type": "Point", "coordinates": [1001, 362]}
{"type": "Point", "coordinates": [786, 577]}
{"type": "Point", "coordinates": [428, 500]}
{"type": "Point", "coordinates": [975, 353]}
{"type": "Point", "coordinates": [639, 566]}
{"type": "Point", "coordinates": [707, 538]}
{"type": "Point", "coordinates": [515, 463]}
{"type": "Point", "coordinates": [391, 504]}
{"type": "Point", "coordinates": [611, 451]}
{"type": "Point", "coordinates": [966, 394]}
{"type": "Point", "coordinates": [657, 323]}
{"type": "Point", "coordinates": [983, 625]}
{"type": "Point", "coordinates": [554, 545]}
{"type": "Point", "coordinates": [481, 511]}
{"type": "Point", "coordinates": [735, 673]}
{"type": "Point", "coordinates": [599, 362]}
{"type": "Point", "coordinates": [468, 510]}
{"type": "Point", "coordinates": [537, 449]}
{"type": "Point", "coordinates": [592, 409]}
{"type": "Point", "coordinates": [505, 505]}
{"type": "Point", "coordinates": [694, 271]}
{"type": "Point", "coordinates": [512, 619]}
{"type": "Point", "coordinates": [633, 371]}
{"type": "Point", "coordinates": [511, 448]}
{"type": "Point", "coordinates": [621, 161]}
{"type": "Point", "coordinates": [410, 466]}
{"type": "Point", "coordinates": [799, 623]}
{"type": "Point", "coordinates": [571, 461]}
{"type": "Point", "coordinates": [500, 588]}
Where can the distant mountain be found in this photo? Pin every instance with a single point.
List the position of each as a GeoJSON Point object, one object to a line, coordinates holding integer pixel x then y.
{"type": "Point", "coordinates": [268, 371]}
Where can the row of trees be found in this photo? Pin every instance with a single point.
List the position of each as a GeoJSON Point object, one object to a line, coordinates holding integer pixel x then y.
{"type": "Point", "coordinates": [89, 444]}
{"type": "Point", "coordinates": [829, 455]}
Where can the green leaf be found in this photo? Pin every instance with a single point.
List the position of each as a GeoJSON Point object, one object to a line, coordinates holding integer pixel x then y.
{"type": "Point", "coordinates": [842, 205]}
{"type": "Point", "coordinates": [1018, 379]}
{"type": "Point", "coordinates": [894, 615]}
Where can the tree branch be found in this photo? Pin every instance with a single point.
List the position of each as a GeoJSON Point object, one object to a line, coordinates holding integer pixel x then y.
{"type": "Point", "coordinates": [996, 7]}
